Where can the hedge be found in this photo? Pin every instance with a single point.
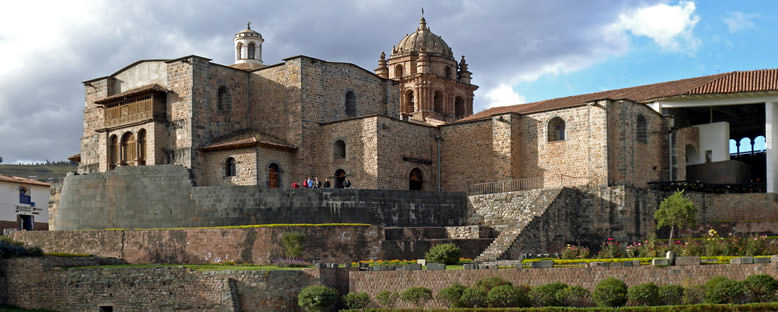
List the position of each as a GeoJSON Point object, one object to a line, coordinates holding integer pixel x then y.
{"type": "Point", "coordinates": [751, 307]}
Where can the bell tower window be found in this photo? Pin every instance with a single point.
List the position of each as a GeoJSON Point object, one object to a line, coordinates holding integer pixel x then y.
{"type": "Point", "coordinates": [251, 51]}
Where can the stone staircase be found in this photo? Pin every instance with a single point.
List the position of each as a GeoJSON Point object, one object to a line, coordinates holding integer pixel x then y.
{"type": "Point", "coordinates": [510, 232]}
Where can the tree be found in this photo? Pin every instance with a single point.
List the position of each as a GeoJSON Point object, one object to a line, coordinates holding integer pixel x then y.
{"type": "Point", "coordinates": [1, 159]}
{"type": "Point", "coordinates": [317, 298]}
{"type": "Point", "coordinates": [675, 211]}
{"type": "Point", "coordinates": [293, 243]}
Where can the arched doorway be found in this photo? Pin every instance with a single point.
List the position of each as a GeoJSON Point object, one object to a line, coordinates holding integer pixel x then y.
{"type": "Point", "coordinates": [272, 176]}
{"type": "Point", "coordinates": [415, 180]}
{"type": "Point", "coordinates": [128, 149]}
{"type": "Point", "coordinates": [340, 176]}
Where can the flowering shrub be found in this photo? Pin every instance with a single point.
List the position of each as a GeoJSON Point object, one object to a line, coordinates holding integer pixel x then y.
{"type": "Point", "coordinates": [611, 249]}
{"type": "Point", "coordinates": [575, 252]}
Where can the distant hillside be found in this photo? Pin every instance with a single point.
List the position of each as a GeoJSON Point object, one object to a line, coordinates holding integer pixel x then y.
{"type": "Point", "coordinates": [42, 172]}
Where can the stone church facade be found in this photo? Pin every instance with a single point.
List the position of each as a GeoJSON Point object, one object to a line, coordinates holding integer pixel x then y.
{"type": "Point", "coordinates": [409, 125]}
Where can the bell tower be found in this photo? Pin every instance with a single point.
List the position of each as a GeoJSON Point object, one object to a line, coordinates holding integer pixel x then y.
{"type": "Point", "coordinates": [248, 46]}
{"type": "Point", "coordinates": [436, 89]}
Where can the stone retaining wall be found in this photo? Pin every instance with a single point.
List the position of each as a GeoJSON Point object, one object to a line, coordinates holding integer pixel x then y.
{"type": "Point", "coordinates": [197, 246]}
{"type": "Point", "coordinates": [374, 282]}
{"type": "Point", "coordinates": [29, 283]}
{"type": "Point", "coordinates": [163, 196]}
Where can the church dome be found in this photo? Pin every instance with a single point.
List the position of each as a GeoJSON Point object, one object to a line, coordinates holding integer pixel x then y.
{"type": "Point", "coordinates": [247, 34]}
{"type": "Point", "coordinates": [423, 39]}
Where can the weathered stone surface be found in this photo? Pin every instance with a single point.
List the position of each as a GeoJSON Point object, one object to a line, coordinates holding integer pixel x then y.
{"type": "Point", "coordinates": [761, 260]}
{"type": "Point", "coordinates": [543, 264]}
{"type": "Point", "coordinates": [436, 266]}
{"type": "Point", "coordinates": [660, 262]}
{"type": "Point", "coordinates": [687, 260]}
{"type": "Point", "coordinates": [742, 260]}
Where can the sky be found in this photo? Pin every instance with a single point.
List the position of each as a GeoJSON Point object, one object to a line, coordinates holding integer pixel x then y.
{"type": "Point", "coordinates": [519, 51]}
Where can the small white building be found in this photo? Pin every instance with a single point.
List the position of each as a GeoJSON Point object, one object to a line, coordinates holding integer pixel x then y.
{"type": "Point", "coordinates": [24, 203]}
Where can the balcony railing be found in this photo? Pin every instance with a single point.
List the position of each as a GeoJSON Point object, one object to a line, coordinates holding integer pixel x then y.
{"type": "Point", "coordinates": [505, 186]}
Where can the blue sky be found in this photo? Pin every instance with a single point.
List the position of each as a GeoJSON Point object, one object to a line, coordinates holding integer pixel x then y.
{"type": "Point", "coordinates": [518, 50]}
{"type": "Point", "coordinates": [728, 36]}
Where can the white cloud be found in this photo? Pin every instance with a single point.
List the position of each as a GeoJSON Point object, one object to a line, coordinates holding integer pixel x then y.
{"type": "Point", "coordinates": [737, 21]}
{"type": "Point", "coordinates": [504, 95]}
{"type": "Point", "coordinates": [670, 26]}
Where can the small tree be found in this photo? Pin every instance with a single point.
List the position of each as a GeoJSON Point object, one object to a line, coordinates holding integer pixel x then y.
{"type": "Point", "coordinates": [452, 295]}
{"type": "Point", "coordinates": [356, 301]}
{"type": "Point", "coordinates": [317, 298]}
{"type": "Point", "coordinates": [417, 295]}
{"type": "Point", "coordinates": [293, 244]}
{"type": "Point", "coordinates": [675, 211]}
{"type": "Point", "coordinates": [387, 298]}
{"type": "Point", "coordinates": [444, 253]}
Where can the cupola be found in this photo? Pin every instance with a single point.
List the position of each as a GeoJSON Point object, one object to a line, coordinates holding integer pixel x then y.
{"type": "Point", "coordinates": [248, 46]}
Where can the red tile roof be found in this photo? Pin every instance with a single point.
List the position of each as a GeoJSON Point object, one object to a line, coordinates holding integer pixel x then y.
{"type": "Point", "coordinates": [246, 138]}
{"type": "Point", "coordinates": [20, 180]}
{"type": "Point", "coordinates": [732, 82]}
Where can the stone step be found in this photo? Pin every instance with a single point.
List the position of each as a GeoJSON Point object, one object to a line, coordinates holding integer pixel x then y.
{"type": "Point", "coordinates": [510, 233]}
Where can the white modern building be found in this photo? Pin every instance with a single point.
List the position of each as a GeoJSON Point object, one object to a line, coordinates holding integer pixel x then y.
{"type": "Point", "coordinates": [24, 203]}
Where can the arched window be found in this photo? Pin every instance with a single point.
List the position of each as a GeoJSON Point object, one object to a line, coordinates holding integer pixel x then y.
{"type": "Point", "coordinates": [128, 149]}
{"type": "Point", "coordinates": [438, 101]}
{"type": "Point", "coordinates": [745, 145]}
{"type": "Point", "coordinates": [238, 52]}
{"type": "Point", "coordinates": [251, 51]}
{"type": "Point", "coordinates": [273, 181]}
{"type": "Point", "coordinates": [692, 157]}
{"type": "Point", "coordinates": [229, 167]}
{"type": "Point", "coordinates": [398, 71]}
{"type": "Point", "coordinates": [448, 72]}
{"type": "Point", "coordinates": [224, 101]}
{"type": "Point", "coordinates": [340, 176]}
{"type": "Point", "coordinates": [760, 144]}
{"type": "Point", "coordinates": [642, 131]}
{"type": "Point", "coordinates": [113, 152]}
{"type": "Point", "coordinates": [733, 147]}
{"type": "Point", "coordinates": [351, 103]}
{"type": "Point", "coordinates": [459, 107]}
{"type": "Point", "coordinates": [339, 150]}
{"type": "Point", "coordinates": [409, 105]}
{"type": "Point", "coordinates": [142, 147]}
{"type": "Point", "coordinates": [556, 129]}
{"type": "Point", "coordinates": [415, 180]}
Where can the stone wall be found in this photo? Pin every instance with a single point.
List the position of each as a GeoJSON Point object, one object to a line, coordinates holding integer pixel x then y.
{"type": "Point", "coordinates": [260, 245]}
{"type": "Point", "coordinates": [630, 160]}
{"type": "Point", "coordinates": [34, 283]}
{"type": "Point", "coordinates": [163, 196]}
{"type": "Point", "coordinates": [461, 144]}
{"type": "Point", "coordinates": [374, 282]}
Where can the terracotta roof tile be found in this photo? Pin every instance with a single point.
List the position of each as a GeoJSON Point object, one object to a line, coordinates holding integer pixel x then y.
{"type": "Point", "coordinates": [247, 138]}
{"type": "Point", "coordinates": [732, 82]}
{"type": "Point", "coordinates": [20, 180]}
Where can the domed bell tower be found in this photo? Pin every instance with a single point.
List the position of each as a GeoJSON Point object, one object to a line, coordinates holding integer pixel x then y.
{"type": "Point", "coordinates": [435, 87]}
{"type": "Point", "coordinates": [248, 46]}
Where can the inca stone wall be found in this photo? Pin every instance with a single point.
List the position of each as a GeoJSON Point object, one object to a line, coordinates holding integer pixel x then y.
{"type": "Point", "coordinates": [163, 196]}
{"type": "Point", "coordinates": [374, 282]}
{"type": "Point", "coordinates": [260, 245]}
{"type": "Point", "coordinates": [35, 283]}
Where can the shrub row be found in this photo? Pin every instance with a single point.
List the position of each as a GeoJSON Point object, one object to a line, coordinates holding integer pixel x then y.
{"type": "Point", "coordinates": [495, 292]}
{"type": "Point", "coordinates": [753, 307]}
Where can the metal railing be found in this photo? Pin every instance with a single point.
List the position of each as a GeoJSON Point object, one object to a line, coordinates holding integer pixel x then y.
{"type": "Point", "coordinates": [505, 186]}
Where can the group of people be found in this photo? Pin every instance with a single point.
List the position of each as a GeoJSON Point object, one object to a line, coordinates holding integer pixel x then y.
{"type": "Point", "coordinates": [315, 183]}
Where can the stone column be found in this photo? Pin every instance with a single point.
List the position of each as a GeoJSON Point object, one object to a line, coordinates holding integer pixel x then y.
{"type": "Point", "coordinates": [771, 145]}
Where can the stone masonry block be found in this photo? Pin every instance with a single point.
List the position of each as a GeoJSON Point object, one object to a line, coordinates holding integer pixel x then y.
{"type": "Point", "coordinates": [660, 262]}
{"type": "Point", "coordinates": [742, 260]}
{"type": "Point", "coordinates": [687, 261]}
{"type": "Point", "coordinates": [543, 264]}
{"type": "Point", "coordinates": [435, 266]}
{"type": "Point", "coordinates": [762, 260]}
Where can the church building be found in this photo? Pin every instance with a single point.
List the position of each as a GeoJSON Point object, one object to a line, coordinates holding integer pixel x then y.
{"type": "Point", "coordinates": [410, 125]}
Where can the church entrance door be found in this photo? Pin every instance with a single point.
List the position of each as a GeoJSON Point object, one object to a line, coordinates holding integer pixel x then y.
{"type": "Point", "coordinates": [340, 176]}
{"type": "Point", "coordinates": [415, 180]}
{"type": "Point", "coordinates": [272, 176]}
